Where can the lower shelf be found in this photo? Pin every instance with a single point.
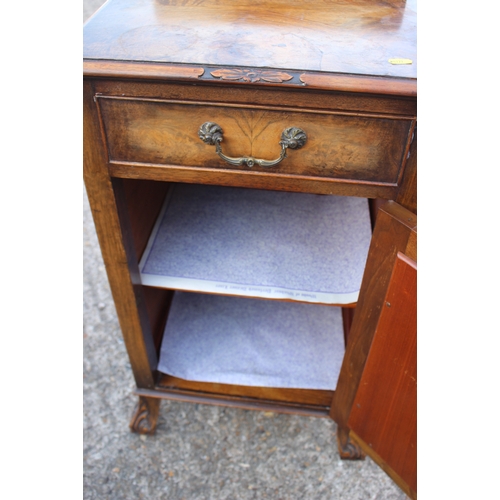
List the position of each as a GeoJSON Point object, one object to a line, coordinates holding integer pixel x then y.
{"type": "Point", "coordinates": [307, 402]}
{"type": "Point", "coordinates": [249, 342]}
{"type": "Point", "coordinates": [313, 398]}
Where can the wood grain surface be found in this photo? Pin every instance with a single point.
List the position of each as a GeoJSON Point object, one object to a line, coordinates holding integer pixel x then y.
{"type": "Point", "coordinates": [117, 248]}
{"type": "Point", "coordinates": [395, 231]}
{"type": "Point", "coordinates": [384, 413]}
{"type": "Point", "coordinates": [320, 398]}
{"type": "Point", "coordinates": [155, 70]}
{"type": "Point", "coordinates": [340, 146]}
{"type": "Point", "coordinates": [356, 37]}
{"type": "Point", "coordinates": [248, 95]}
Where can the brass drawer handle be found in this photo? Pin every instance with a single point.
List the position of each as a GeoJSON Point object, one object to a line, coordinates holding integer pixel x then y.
{"type": "Point", "coordinates": [292, 137]}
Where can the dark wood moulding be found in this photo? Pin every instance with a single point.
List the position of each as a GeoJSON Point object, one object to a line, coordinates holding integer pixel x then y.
{"type": "Point", "coordinates": [404, 87]}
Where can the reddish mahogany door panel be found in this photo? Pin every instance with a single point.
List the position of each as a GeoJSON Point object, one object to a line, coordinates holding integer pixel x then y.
{"type": "Point", "coordinates": [384, 414]}
{"type": "Point", "coordinates": [346, 146]}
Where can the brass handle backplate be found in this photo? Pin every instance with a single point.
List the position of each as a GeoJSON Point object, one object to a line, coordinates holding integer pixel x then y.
{"type": "Point", "coordinates": [292, 137]}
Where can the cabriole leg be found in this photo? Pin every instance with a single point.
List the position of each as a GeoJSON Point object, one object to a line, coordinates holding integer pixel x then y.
{"type": "Point", "coordinates": [145, 415]}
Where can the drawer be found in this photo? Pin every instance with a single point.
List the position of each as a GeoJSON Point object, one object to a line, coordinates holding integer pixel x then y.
{"type": "Point", "coordinates": [347, 146]}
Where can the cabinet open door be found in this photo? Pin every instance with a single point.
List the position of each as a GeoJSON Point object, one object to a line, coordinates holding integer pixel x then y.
{"type": "Point", "coordinates": [377, 391]}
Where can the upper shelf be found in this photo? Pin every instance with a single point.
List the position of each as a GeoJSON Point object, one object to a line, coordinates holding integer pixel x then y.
{"type": "Point", "coordinates": [355, 37]}
{"type": "Point", "coordinates": [264, 244]}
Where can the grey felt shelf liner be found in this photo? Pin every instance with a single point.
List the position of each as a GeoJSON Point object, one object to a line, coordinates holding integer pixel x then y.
{"type": "Point", "coordinates": [252, 342]}
{"type": "Point", "coordinates": [257, 243]}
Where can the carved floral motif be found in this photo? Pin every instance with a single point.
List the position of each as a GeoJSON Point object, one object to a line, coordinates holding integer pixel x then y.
{"type": "Point", "coordinates": [252, 76]}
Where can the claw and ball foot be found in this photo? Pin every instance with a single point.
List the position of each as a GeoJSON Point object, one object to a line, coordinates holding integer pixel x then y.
{"type": "Point", "coordinates": [348, 449]}
{"type": "Point", "coordinates": [145, 415]}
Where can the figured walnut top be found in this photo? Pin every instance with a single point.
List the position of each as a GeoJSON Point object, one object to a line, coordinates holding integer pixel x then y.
{"type": "Point", "coordinates": [335, 36]}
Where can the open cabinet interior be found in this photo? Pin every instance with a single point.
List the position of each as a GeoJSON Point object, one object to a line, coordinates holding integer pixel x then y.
{"type": "Point", "coordinates": [256, 243]}
{"type": "Point", "coordinates": [249, 292]}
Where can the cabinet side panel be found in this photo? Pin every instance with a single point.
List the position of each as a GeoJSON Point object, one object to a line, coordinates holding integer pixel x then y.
{"type": "Point", "coordinates": [127, 298]}
{"type": "Point", "coordinates": [407, 194]}
{"type": "Point", "coordinates": [143, 201]}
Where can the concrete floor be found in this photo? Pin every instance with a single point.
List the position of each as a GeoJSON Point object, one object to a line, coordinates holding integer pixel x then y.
{"type": "Point", "coordinates": [198, 452]}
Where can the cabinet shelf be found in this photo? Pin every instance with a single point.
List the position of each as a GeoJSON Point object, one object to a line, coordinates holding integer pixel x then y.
{"type": "Point", "coordinates": [251, 342]}
{"type": "Point", "coordinates": [261, 244]}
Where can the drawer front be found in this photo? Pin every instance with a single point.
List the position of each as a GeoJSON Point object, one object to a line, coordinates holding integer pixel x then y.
{"type": "Point", "coordinates": [340, 145]}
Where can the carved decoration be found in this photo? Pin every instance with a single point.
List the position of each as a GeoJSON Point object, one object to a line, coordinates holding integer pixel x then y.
{"type": "Point", "coordinates": [145, 416]}
{"type": "Point", "coordinates": [256, 75]}
{"type": "Point", "coordinates": [293, 138]}
{"type": "Point", "coordinates": [210, 133]}
{"type": "Point", "coordinates": [348, 449]}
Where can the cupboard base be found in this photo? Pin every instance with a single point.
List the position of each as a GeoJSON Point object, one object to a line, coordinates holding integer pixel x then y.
{"type": "Point", "coordinates": [146, 413]}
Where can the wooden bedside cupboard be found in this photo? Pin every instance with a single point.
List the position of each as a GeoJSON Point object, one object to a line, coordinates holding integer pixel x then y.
{"type": "Point", "coordinates": [205, 123]}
